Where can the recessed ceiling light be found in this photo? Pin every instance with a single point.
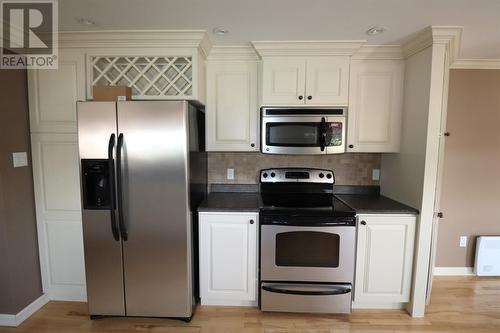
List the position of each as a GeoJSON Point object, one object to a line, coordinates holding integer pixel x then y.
{"type": "Point", "coordinates": [220, 31]}
{"type": "Point", "coordinates": [85, 21]}
{"type": "Point", "coordinates": [375, 31]}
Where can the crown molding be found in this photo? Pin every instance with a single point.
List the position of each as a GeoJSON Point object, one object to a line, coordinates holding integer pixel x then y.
{"type": "Point", "coordinates": [379, 52]}
{"type": "Point", "coordinates": [307, 48]}
{"type": "Point", "coordinates": [233, 52]}
{"type": "Point", "coordinates": [450, 36]}
{"type": "Point", "coordinates": [476, 64]}
{"type": "Point", "coordinates": [137, 38]}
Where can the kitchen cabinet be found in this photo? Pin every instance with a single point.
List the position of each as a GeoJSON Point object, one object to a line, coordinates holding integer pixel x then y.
{"type": "Point", "coordinates": [232, 112]}
{"type": "Point", "coordinates": [384, 259]}
{"type": "Point", "coordinates": [228, 258]}
{"type": "Point", "coordinates": [305, 80]}
{"type": "Point", "coordinates": [375, 105]}
{"type": "Point", "coordinates": [53, 94]}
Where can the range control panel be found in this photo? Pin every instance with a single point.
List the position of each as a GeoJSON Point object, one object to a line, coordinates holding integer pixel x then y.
{"type": "Point", "coordinates": [297, 175]}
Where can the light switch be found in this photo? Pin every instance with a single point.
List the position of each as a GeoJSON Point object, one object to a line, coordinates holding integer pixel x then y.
{"type": "Point", "coordinates": [19, 159]}
{"type": "Point", "coordinates": [376, 174]}
{"type": "Point", "coordinates": [463, 241]}
{"type": "Point", "coordinates": [230, 173]}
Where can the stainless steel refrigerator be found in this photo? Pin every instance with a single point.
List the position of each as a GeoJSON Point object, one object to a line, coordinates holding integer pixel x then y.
{"type": "Point", "coordinates": [143, 172]}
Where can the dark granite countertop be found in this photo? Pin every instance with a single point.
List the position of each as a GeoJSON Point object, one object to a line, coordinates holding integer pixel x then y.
{"type": "Point", "coordinates": [231, 202]}
{"type": "Point", "coordinates": [245, 198]}
{"type": "Point", "coordinates": [375, 204]}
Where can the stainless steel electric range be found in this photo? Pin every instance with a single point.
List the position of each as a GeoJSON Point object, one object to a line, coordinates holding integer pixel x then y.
{"type": "Point", "coordinates": [307, 243]}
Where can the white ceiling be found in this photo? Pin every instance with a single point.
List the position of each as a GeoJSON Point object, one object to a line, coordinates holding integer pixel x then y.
{"type": "Point", "coordinates": [249, 20]}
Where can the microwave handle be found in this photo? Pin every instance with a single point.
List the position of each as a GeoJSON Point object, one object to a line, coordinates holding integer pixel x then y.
{"type": "Point", "coordinates": [322, 135]}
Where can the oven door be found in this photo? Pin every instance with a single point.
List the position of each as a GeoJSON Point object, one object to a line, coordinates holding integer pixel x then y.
{"type": "Point", "coordinates": [303, 134]}
{"type": "Point", "coordinates": [307, 254]}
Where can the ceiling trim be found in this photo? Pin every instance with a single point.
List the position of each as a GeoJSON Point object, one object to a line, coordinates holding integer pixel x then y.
{"type": "Point", "coordinates": [476, 64]}
{"type": "Point", "coordinates": [307, 48]}
{"type": "Point", "coordinates": [239, 52]}
{"type": "Point", "coordinates": [379, 52]}
{"type": "Point", "coordinates": [137, 38]}
{"type": "Point", "coordinates": [451, 36]}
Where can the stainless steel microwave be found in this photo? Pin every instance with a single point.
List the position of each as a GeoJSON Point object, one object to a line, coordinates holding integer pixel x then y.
{"type": "Point", "coordinates": [301, 130]}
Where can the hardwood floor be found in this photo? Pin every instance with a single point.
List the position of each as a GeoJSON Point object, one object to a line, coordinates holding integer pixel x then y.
{"type": "Point", "coordinates": [458, 304]}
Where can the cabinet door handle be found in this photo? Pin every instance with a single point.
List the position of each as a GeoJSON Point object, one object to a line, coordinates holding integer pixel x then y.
{"type": "Point", "coordinates": [351, 146]}
{"type": "Point", "coordinates": [252, 221]}
{"type": "Point", "coordinates": [252, 145]}
{"type": "Point", "coordinates": [309, 97]}
{"type": "Point", "coordinates": [363, 222]}
{"type": "Point", "coordinates": [301, 97]}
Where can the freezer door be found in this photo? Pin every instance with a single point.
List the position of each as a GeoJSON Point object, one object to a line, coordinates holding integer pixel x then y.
{"type": "Point", "coordinates": [103, 251]}
{"type": "Point", "coordinates": [154, 176]}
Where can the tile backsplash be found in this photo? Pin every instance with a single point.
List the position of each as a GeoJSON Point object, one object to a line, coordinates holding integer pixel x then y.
{"type": "Point", "coordinates": [349, 168]}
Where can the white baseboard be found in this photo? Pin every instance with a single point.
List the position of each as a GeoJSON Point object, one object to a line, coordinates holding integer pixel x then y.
{"type": "Point", "coordinates": [72, 293]}
{"type": "Point", "coordinates": [370, 305]}
{"type": "Point", "coordinates": [17, 319]}
{"type": "Point", "coordinates": [451, 271]}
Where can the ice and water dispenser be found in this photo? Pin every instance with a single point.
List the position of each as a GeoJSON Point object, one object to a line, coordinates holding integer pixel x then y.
{"type": "Point", "coordinates": [97, 183]}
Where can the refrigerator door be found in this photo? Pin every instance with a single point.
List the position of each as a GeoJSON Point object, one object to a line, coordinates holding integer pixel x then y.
{"type": "Point", "coordinates": [103, 250]}
{"type": "Point", "coordinates": [155, 209]}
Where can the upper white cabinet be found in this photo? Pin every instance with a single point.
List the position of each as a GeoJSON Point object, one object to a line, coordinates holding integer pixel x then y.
{"type": "Point", "coordinates": [232, 112]}
{"type": "Point", "coordinates": [375, 105]}
{"type": "Point", "coordinates": [305, 80]}
{"type": "Point", "coordinates": [384, 259]}
{"type": "Point", "coordinates": [53, 94]}
{"type": "Point", "coordinates": [228, 258]}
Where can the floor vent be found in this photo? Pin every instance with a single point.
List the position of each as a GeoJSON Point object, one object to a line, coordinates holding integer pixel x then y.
{"type": "Point", "coordinates": [487, 256]}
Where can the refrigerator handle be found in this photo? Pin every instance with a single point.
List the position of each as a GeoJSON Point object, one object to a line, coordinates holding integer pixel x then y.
{"type": "Point", "coordinates": [112, 192]}
{"type": "Point", "coordinates": [119, 187]}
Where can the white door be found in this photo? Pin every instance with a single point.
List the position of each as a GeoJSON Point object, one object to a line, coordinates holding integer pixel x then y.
{"type": "Point", "coordinates": [327, 80]}
{"type": "Point", "coordinates": [231, 110]}
{"type": "Point", "coordinates": [59, 224]}
{"type": "Point", "coordinates": [228, 258]}
{"type": "Point", "coordinates": [384, 258]}
{"type": "Point", "coordinates": [283, 81]}
{"type": "Point", "coordinates": [375, 105]}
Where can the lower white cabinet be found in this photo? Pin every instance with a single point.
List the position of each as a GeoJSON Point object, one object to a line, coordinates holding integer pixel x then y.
{"type": "Point", "coordinates": [384, 259]}
{"type": "Point", "coordinates": [228, 258]}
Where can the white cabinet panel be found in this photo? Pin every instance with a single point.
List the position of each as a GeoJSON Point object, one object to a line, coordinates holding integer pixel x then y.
{"type": "Point", "coordinates": [384, 258]}
{"type": "Point", "coordinates": [65, 244]}
{"type": "Point", "coordinates": [53, 94]}
{"type": "Point", "coordinates": [327, 81]}
{"type": "Point", "coordinates": [228, 258]}
{"type": "Point", "coordinates": [57, 199]}
{"type": "Point", "coordinates": [232, 113]}
{"type": "Point", "coordinates": [375, 105]}
{"type": "Point", "coordinates": [283, 81]}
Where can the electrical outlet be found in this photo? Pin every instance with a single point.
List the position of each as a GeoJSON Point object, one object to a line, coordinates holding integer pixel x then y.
{"type": "Point", "coordinates": [230, 173]}
{"type": "Point", "coordinates": [376, 174]}
{"type": "Point", "coordinates": [19, 159]}
{"type": "Point", "coordinates": [463, 241]}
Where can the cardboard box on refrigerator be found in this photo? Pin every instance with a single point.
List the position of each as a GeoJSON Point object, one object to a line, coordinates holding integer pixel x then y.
{"type": "Point", "coordinates": [111, 93]}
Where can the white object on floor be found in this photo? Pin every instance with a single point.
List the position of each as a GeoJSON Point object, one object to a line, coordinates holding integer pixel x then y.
{"type": "Point", "coordinates": [487, 256]}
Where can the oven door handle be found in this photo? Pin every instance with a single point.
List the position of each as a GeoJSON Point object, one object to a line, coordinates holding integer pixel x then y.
{"type": "Point", "coordinates": [322, 135]}
{"type": "Point", "coordinates": [335, 291]}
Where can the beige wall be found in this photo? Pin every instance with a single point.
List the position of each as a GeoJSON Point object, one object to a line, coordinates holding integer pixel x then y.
{"type": "Point", "coordinates": [20, 282]}
{"type": "Point", "coordinates": [349, 168]}
{"type": "Point", "coordinates": [470, 197]}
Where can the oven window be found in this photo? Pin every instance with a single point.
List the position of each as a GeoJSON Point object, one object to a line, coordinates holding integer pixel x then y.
{"type": "Point", "coordinates": [293, 134]}
{"type": "Point", "coordinates": [307, 249]}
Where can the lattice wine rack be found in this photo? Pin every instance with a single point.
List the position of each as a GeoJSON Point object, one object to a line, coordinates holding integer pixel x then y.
{"type": "Point", "coordinates": [149, 77]}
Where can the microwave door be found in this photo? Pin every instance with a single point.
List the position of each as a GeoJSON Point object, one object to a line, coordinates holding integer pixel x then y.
{"type": "Point", "coordinates": [292, 135]}
{"type": "Point", "coordinates": [335, 135]}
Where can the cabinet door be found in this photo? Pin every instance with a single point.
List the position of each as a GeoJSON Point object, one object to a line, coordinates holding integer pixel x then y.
{"type": "Point", "coordinates": [228, 258]}
{"type": "Point", "coordinates": [375, 105]}
{"type": "Point", "coordinates": [384, 258]}
{"type": "Point", "coordinates": [283, 81]}
{"type": "Point", "coordinates": [327, 80]}
{"type": "Point", "coordinates": [53, 94]}
{"type": "Point", "coordinates": [232, 112]}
